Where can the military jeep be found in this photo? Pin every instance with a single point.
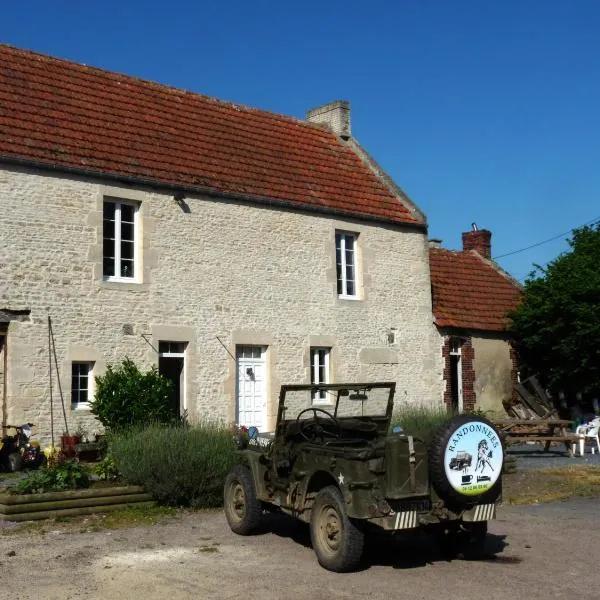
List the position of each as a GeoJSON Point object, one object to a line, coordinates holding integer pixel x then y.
{"type": "Point", "coordinates": [334, 463]}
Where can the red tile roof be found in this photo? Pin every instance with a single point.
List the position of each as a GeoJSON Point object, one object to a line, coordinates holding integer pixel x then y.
{"type": "Point", "coordinates": [64, 114]}
{"type": "Point", "coordinates": [469, 292]}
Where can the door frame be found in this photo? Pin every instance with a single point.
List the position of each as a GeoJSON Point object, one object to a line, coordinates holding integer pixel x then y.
{"type": "Point", "coordinates": [264, 348]}
{"type": "Point", "coordinates": [456, 350]}
{"type": "Point", "coordinates": [182, 385]}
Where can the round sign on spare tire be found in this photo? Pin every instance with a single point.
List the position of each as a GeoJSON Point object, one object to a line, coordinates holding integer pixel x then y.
{"type": "Point", "coordinates": [465, 460]}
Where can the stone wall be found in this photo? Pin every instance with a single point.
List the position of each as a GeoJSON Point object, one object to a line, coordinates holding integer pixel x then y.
{"type": "Point", "coordinates": [214, 274]}
{"type": "Point", "coordinates": [495, 374]}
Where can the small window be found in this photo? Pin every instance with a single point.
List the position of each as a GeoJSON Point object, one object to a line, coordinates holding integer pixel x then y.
{"type": "Point", "coordinates": [119, 241]}
{"type": "Point", "coordinates": [345, 260]}
{"type": "Point", "coordinates": [82, 382]}
{"type": "Point", "coordinates": [319, 373]}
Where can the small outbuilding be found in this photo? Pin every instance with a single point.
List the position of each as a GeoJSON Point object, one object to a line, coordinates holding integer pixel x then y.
{"type": "Point", "coordinates": [472, 298]}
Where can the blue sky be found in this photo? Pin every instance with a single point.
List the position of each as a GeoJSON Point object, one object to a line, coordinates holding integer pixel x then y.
{"type": "Point", "coordinates": [482, 111]}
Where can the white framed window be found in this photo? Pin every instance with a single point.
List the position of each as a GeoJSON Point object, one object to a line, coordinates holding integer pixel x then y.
{"type": "Point", "coordinates": [345, 262]}
{"type": "Point", "coordinates": [120, 260]}
{"type": "Point", "coordinates": [319, 372]}
{"type": "Point", "coordinates": [82, 384]}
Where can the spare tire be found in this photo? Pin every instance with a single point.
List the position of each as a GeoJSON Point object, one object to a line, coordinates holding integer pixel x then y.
{"type": "Point", "coordinates": [466, 456]}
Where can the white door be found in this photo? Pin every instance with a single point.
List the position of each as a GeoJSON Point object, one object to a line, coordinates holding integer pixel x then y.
{"type": "Point", "coordinates": [251, 391]}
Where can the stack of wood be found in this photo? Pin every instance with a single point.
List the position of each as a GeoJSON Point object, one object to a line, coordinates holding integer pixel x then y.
{"type": "Point", "coordinates": [531, 402]}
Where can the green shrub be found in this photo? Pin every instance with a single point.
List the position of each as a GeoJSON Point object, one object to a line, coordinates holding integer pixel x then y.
{"type": "Point", "coordinates": [68, 475]}
{"type": "Point", "coordinates": [179, 466]}
{"type": "Point", "coordinates": [125, 396]}
{"type": "Point", "coordinates": [420, 421]}
{"type": "Point", "coordinates": [106, 469]}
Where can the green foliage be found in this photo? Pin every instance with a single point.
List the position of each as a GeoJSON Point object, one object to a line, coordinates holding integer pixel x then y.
{"type": "Point", "coordinates": [179, 466]}
{"type": "Point", "coordinates": [68, 475]}
{"type": "Point", "coordinates": [106, 469]}
{"type": "Point", "coordinates": [558, 323]}
{"type": "Point", "coordinates": [125, 396]}
{"type": "Point", "coordinates": [420, 421]}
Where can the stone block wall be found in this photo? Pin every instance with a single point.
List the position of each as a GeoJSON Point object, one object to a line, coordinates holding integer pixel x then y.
{"type": "Point", "coordinates": [214, 274]}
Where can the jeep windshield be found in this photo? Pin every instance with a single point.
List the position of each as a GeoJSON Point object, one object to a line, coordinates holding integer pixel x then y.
{"type": "Point", "coordinates": [342, 401]}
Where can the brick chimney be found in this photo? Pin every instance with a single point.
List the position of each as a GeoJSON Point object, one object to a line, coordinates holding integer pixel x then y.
{"type": "Point", "coordinates": [479, 240]}
{"type": "Point", "coordinates": [335, 115]}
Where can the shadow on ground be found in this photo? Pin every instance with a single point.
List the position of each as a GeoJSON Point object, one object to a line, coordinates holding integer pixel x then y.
{"type": "Point", "coordinates": [406, 550]}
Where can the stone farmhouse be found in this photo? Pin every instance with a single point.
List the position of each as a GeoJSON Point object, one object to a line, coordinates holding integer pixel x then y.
{"type": "Point", "coordinates": [234, 248]}
{"type": "Point", "coordinates": [472, 297]}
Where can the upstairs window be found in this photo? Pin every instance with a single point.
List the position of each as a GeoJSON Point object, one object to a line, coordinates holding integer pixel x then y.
{"type": "Point", "coordinates": [119, 240]}
{"type": "Point", "coordinates": [81, 384]}
{"type": "Point", "coordinates": [319, 373]}
{"type": "Point", "coordinates": [345, 260]}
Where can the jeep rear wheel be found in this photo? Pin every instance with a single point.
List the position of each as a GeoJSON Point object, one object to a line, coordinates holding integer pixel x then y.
{"type": "Point", "coordinates": [243, 510]}
{"type": "Point", "coordinates": [336, 539]}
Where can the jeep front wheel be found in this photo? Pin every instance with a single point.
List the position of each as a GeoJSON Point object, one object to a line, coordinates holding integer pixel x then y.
{"type": "Point", "coordinates": [336, 540]}
{"type": "Point", "coordinates": [243, 510]}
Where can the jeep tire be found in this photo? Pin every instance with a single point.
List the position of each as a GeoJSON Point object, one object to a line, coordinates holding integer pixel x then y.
{"type": "Point", "coordinates": [243, 510]}
{"type": "Point", "coordinates": [337, 541]}
{"type": "Point", "coordinates": [443, 440]}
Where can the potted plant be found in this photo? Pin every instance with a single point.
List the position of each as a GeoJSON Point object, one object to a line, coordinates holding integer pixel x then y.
{"type": "Point", "coordinates": [68, 443]}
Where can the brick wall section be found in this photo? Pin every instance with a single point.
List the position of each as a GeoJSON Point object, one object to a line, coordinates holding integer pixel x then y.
{"type": "Point", "coordinates": [218, 273]}
{"type": "Point", "coordinates": [468, 373]}
{"type": "Point", "coordinates": [480, 240]}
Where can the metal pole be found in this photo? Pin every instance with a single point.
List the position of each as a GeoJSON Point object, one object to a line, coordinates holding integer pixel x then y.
{"type": "Point", "coordinates": [50, 379]}
{"type": "Point", "coordinates": [62, 400]}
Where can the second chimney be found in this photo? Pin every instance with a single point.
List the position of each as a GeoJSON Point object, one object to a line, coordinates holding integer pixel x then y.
{"type": "Point", "coordinates": [479, 240]}
{"type": "Point", "coordinates": [335, 115]}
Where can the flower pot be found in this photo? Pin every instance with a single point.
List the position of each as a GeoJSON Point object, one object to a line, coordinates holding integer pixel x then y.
{"type": "Point", "coordinates": [68, 443]}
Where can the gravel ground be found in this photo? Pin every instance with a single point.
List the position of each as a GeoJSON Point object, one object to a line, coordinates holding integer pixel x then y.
{"type": "Point", "coordinates": [533, 553]}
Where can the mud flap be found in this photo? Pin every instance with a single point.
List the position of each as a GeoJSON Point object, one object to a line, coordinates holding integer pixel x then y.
{"type": "Point", "coordinates": [481, 512]}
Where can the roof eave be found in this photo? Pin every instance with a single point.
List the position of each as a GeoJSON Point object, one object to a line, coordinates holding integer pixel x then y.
{"type": "Point", "coordinates": [173, 187]}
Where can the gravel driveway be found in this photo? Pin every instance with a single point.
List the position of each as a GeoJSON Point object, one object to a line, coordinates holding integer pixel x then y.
{"type": "Point", "coordinates": [535, 552]}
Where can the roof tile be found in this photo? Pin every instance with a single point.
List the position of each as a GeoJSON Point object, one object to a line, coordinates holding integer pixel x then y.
{"type": "Point", "coordinates": [69, 115]}
{"type": "Point", "coordinates": [469, 293]}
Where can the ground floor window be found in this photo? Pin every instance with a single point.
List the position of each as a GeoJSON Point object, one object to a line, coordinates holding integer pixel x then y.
{"type": "Point", "coordinates": [82, 383]}
{"type": "Point", "coordinates": [319, 372]}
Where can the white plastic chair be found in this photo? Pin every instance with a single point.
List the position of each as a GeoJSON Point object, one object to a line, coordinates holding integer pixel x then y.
{"type": "Point", "coordinates": [590, 430]}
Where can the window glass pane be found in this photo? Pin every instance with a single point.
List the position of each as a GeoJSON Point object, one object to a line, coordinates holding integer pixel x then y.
{"type": "Point", "coordinates": [350, 288]}
{"type": "Point", "coordinates": [127, 212]}
{"type": "Point", "coordinates": [109, 210]}
{"type": "Point", "coordinates": [109, 248]}
{"type": "Point", "coordinates": [127, 231]}
{"type": "Point", "coordinates": [108, 267]}
{"type": "Point", "coordinates": [127, 250]}
{"type": "Point", "coordinates": [127, 268]}
{"type": "Point", "coordinates": [109, 229]}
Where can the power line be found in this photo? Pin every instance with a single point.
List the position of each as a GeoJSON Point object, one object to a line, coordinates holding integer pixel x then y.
{"type": "Point", "coordinates": [560, 235]}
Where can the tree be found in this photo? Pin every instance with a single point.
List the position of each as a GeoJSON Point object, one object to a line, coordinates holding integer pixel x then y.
{"type": "Point", "coordinates": [125, 396]}
{"type": "Point", "coordinates": [557, 325]}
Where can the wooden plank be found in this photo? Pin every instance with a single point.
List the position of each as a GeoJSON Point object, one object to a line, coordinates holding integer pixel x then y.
{"type": "Point", "coordinates": [8, 509]}
{"type": "Point", "coordinates": [530, 401]}
{"type": "Point", "coordinates": [70, 512]}
{"type": "Point", "coordinates": [540, 392]}
{"type": "Point", "coordinates": [6, 498]}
